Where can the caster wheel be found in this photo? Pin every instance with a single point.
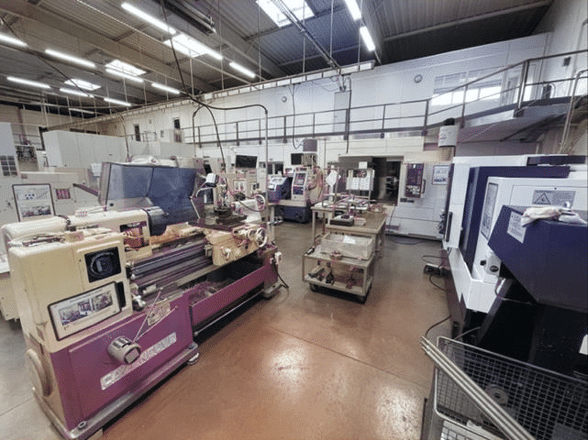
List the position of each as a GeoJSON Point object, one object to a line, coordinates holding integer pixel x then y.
{"type": "Point", "coordinates": [314, 287]}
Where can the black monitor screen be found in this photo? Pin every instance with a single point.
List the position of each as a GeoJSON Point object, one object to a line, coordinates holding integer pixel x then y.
{"type": "Point", "coordinates": [296, 158]}
{"type": "Point", "coordinates": [245, 161]}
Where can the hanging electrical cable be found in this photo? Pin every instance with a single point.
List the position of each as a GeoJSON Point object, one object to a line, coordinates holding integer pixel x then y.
{"type": "Point", "coordinates": [211, 107]}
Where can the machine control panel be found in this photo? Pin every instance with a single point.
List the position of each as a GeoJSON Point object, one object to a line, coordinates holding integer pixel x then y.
{"type": "Point", "coordinates": [298, 185]}
{"type": "Point", "coordinates": [414, 187]}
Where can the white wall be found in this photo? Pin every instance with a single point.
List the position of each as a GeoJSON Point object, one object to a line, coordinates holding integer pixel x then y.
{"type": "Point", "coordinates": [385, 84]}
{"type": "Point", "coordinates": [79, 150]}
{"type": "Point", "coordinates": [66, 149]}
{"type": "Point", "coordinates": [566, 23]}
{"type": "Point", "coordinates": [26, 123]}
{"type": "Point", "coordinates": [6, 141]}
{"type": "Point", "coordinates": [16, 115]}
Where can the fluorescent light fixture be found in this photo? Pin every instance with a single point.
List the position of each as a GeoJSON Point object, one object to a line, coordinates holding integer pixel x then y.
{"type": "Point", "coordinates": [148, 18]}
{"type": "Point", "coordinates": [166, 88]}
{"type": "Point", "coordinates": [117, 102]}
{"type": "Point", "coordinates": [81, 111]}
{"type": "Point", "coordinates": [71, 59]}
{"type": "Point", "coordinates": [242, 69]}
{"type": "Point", "coordinates": [125, 68]}
{"type": "Point", "coordinates": [28, 82]}
{"type": "Point", "coordinates": [75, 92]}
{"type": "Point", "coordinates": [11, 40]}
{"type": "Point", "coordinates": [299, 8]}
{"type": "Point", "coordinates": [353, 9]}
{"type": "Point", "coordinates": [191, 47]}
{"type": "Point", "coordinates": [124, 75]}
{"type": "Point", "coordinates": [81, 84]}
{"type": "Point", "coordinates": [367, 39]}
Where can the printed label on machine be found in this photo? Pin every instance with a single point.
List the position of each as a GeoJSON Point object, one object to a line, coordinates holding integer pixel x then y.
{"type": "Point", "coordinates": [440, 174]}
{"type": "Point", "coordinates": [556, 198]}
{"type": "Point", "coordinates": [116, 375]}
{"type": "Point", "coordinates": [82, 311]}
{"type": "Point", "coordinates": [158, 312]}
{"type": "Point", "coordinates": [515, 229]}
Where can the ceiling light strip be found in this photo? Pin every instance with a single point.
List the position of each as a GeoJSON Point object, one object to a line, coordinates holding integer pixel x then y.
{"type": "Point", "coordinates": [75, 92]}
{"type": "Point", "coordinates": [117, 102]}
{"type": "Point", "coordinates": [124, 75]}
{"type": "Point", "coordinates": [166, 88]}
{"type": "Point", "coordinates": [191, 47]}
{"type": "Point", "coordinates": [242, 69]}
{"type": "Point", "coordinates": [148, 18]}
{"type": "Point", "coordinates": [70, 58]}
{"type": "Point", "coordinates": [353, 9]}
{"type": "Point", "coordinates": [125, 67]}
{"type": "Point", "coordinates": [367, 38]}
{"type": "Point", "coordinates": [11, 40]}
{"type": "Point", "coordinates": [82, 84]}
{"type": "Point", "coordinates": [28, 82]}
{"type": "Point", "coordinates": [81, 111]}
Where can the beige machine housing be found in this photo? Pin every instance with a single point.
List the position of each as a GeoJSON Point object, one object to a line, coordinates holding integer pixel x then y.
{"type": "Point", "coordinates": [66, 268]}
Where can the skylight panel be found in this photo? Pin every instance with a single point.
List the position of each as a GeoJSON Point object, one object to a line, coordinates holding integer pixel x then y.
{"type": "Point", "coordinates": [299, 8]}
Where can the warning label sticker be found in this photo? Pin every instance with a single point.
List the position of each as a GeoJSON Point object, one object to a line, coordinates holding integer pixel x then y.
{"type": "Point", "coordinates": [515, 229]}
{"type": "Point", "coordinates": [556, 198]}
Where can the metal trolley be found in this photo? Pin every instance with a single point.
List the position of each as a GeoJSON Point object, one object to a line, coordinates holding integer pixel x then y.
{"type": "Point", "coordinates": [480, 395]}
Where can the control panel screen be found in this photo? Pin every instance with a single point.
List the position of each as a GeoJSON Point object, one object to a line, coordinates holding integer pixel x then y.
{"type": "Point", "coordinates": [82, 311]}
{"type": "Point", "coordinates": [299, 179]}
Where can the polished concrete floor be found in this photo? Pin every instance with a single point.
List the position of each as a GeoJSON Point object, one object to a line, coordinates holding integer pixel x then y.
{"type": "Point", "coordinates": [302, 365]}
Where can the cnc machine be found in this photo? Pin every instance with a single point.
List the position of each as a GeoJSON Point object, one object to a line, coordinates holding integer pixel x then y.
{"type": "Point", "coordinates": [479, 187]}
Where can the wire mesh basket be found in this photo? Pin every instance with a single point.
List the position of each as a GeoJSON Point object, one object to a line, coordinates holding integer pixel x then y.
{"type": "Point", "coordinates": [550, 406]}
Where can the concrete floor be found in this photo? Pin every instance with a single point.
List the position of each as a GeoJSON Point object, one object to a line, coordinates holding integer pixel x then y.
{"type": "Point", "coordinates": [302, 365]}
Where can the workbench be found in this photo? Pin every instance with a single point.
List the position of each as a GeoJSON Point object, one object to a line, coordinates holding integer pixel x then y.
{"type": "Point", "coordinates": [373, 227]}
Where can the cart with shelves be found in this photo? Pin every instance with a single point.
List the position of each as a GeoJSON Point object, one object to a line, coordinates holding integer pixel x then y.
{"type": "Point", "coordinates": [335, 271]}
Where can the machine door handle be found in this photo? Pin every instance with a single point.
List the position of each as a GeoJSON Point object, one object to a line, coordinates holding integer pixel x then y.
{"type": "Point", "coordinates": [448, 226]}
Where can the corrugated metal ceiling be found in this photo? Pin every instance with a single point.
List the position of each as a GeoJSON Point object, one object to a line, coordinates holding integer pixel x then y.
{"type": "Point", "coordinates": [402, 29]}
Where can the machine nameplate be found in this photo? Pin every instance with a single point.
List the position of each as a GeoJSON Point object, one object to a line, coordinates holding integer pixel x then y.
{"type": "Point", "coordinates": [116, 375]}
{"type": "Point", "coordinates": [515, 229]}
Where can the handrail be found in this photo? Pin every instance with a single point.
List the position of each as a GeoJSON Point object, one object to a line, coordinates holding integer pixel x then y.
{"type": "Point", "coordinates": [354, 120]}
{"type": "Point", "coordinates": [566, 130]}
{"type": "Point", "coordinates": [512, 66]}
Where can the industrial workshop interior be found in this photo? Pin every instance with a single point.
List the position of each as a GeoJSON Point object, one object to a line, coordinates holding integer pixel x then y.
{"type": "Point", "coordinates": [294, 219]}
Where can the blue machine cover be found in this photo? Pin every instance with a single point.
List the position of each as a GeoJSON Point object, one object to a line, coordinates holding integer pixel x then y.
{"type": "Point", "coordinates": [549, 258]}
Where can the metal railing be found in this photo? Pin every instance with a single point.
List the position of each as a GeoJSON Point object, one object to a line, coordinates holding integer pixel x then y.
{"type": "Point", "coordinates": [516, 90]}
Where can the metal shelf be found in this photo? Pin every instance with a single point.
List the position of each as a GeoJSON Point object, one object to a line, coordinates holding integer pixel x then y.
{"type": "Point", "coordinates": [360, 272]}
